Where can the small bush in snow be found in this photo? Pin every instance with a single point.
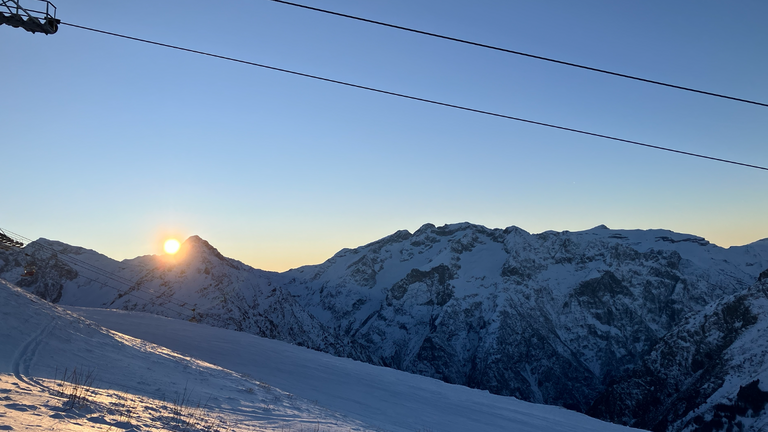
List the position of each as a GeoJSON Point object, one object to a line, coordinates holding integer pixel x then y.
{"type": "Point", "coordinates": [75, 386]}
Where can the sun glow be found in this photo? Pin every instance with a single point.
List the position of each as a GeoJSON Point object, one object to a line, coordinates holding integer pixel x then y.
{"type": "Point", "coordinates": [171, 246]}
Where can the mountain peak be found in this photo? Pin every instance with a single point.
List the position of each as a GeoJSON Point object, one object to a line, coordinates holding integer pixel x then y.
{"type": "Point", "coordinates": [196, 245]}
{"type": "Point", "coordinates": [195, 240]}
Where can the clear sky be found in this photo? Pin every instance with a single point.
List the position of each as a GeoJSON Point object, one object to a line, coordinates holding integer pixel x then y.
{"type": "Point", "coordinates": [115, 145]}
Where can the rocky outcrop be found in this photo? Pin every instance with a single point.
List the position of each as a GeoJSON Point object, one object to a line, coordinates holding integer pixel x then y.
{"type": "Point", "coordinates": [676, 385]}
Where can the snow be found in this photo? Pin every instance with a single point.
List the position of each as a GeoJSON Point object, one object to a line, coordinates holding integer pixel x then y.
{"type": "Point", "coordinates": [386, 398]}
{"type": "Point", "coordinates": [39, 341]}
{"type": "Point", "coordinates": [233, 381]}
{"type": "Point", "coordinates": [746, 359]}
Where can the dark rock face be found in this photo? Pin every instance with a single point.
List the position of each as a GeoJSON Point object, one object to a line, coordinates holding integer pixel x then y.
{"type": "Point", "coordinates": [637, 327]}
{"type": "Point", "coordinates": [750, 403]}
{"type": "Point", "coordinates": [527, 360]}
{"type": "Point", "coordinates": [763, 276]}
{"type": "Point", "coordinates": [681, 372]}
{"type": "Point", "coordinates": [51, 273]}
{"type": "Point", "coordinates": [435, 281]}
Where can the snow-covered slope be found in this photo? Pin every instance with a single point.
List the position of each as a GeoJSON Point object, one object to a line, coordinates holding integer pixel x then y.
{"type": "Point", "coordinates": [139, 385]}
{"type": "Point", "coordinates": [550, 318]}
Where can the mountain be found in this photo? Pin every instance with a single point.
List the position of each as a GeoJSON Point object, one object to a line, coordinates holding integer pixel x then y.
{"type": "Point", "coordinates": [557, 318]}
{"type": "Point", "coordinates": [141, 386]}
{"type": "Point", "coordinates": [197, 284]}
{"type": "Point", "coordinates": [548, 318]}
{"type": "Point", "coordinates": [705, 375]}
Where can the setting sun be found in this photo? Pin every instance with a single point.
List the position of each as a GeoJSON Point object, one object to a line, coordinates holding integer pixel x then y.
{"type": "Point", "coordinates": [171, 246]}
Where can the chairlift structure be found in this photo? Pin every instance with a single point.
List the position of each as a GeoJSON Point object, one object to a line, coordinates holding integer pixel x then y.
{"type": "Point", "coordinates": [8, 243]}
{"type": "Point", "coordinates": [42, 19]}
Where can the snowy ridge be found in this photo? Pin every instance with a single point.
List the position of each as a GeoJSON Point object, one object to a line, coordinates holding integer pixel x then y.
{"type": "Point", "coordinates": [552, 318]}
{"type": "Point", "coordinates": [547, 318]}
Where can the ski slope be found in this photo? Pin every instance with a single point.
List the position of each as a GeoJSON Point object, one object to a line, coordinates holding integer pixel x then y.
{"type": "Point", "coordinates": [137, 387]}
{"type": "Point", "coordinates": [216, 379]}
{"type": "Point", "coordinates": [388, 399]}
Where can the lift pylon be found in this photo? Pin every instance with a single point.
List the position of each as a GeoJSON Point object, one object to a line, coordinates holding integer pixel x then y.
{"type": "Point", "coordinates": [32, 20]}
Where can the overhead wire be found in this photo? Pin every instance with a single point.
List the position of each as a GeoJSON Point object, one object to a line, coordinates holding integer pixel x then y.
{"type": "Point", "coordinates": [101, 272]}
{"type": "Point", "coordinates": [520, 53]}
{"type": "Point", "coordinates": [420, 99]}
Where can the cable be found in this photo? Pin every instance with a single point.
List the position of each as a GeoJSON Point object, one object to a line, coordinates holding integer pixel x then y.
{"type": "Point", "coordinates": [133, 294]}
{"type": "Point", "coordinates": [509, 51]}
{"type": "Point", "coordinates": [101, 272]}
{"type": "Point", "coordinates": [430, 101]}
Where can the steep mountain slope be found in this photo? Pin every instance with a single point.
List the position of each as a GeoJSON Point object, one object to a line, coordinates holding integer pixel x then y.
{"type": "Point", "coordinates": [706, 374]}
{"type": "Point", "coordinates": [547, 318]}
{"type": "Point", "coordinates": [550, 318]}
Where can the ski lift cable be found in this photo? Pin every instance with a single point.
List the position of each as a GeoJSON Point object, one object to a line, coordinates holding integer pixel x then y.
{"type": "Point", "coordinates": [420, 99]}
{"type": "Point", "coordinates": [520, 53]}
{"type": "Point", "coordinates": [86, 265]}
{"type": "Point", "coordinates": [83, 264]}
{"type": "Point", "coordinates": [133, 294]}
{"type": "Point", "coordinates": [99, 271]}
{"type": "Point", "coordinates": [106, 274]}
{"type": "Point", "coordinates": [77, 261]}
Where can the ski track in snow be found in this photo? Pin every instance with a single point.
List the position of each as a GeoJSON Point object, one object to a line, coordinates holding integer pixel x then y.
{"type": "Point", "coordinates": [26, 354]}
{"type": "Point", "coordinates": [139, 384]}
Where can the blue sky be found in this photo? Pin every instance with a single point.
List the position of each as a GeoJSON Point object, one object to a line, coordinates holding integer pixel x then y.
{"type": "Point", "coordinates": [115, 145]}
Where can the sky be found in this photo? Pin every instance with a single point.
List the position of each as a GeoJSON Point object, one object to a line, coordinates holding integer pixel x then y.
{"type": "Point", "coordinates": [115, 145]}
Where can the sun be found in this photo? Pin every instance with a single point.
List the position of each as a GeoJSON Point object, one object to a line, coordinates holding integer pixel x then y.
{"type": "Point", "coordinates": [171, 246]}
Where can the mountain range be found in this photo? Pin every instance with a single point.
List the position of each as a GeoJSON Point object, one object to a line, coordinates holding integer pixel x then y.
{"type": "Point", "coordinates": [649, 328]}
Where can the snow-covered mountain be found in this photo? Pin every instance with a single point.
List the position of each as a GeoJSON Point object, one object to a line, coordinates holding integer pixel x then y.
{"type": "Point", "coordinates": [706, 374]}
{"type": "Point", "coordinates": [141, 386]}
{"type": "Point", "coordinates": [197, 284]}
{"type": "Point", "coordinates": [556, 318]}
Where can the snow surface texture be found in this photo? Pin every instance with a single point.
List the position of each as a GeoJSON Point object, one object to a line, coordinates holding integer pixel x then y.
{"type": "Point", "coordinates": [552, 318]}
{"type": "Point", "coordinates": [142, 386]}
{"type": "Point", "coordinates": [137, 385]}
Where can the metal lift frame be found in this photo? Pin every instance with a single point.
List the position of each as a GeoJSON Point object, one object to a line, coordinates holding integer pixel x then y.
{"type": "Point", "coordinates": [31, 20]}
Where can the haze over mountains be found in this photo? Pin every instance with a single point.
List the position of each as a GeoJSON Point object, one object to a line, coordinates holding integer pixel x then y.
{"type": "Point", "coordinates": [653, 329]}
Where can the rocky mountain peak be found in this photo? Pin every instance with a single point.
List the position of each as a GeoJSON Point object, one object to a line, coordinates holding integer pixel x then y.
{"type": "Point", "coordinates": [196, 246]}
